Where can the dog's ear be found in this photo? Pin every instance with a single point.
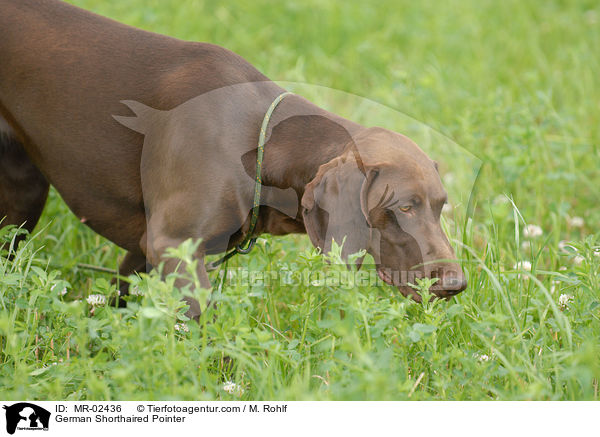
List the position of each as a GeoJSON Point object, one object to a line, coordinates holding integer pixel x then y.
{"type": "Point", "coordinates": [143, 120]}
{"type": "Point", "coordinates": [334, 205]}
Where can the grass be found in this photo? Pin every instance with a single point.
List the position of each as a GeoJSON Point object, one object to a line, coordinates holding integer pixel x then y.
{"type": "Point", "coordinates": [515, 84]}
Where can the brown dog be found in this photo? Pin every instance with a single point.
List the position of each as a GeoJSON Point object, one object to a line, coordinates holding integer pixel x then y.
{"type": "Point", "coordinates": [152, 179]}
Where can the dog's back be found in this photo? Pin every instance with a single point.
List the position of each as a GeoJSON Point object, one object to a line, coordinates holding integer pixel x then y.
{"type": "Point", "coordinates": [63, 74]}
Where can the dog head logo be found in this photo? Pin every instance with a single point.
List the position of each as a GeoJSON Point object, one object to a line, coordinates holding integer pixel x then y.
{"type": "Point", "coordinates": [26, 416]}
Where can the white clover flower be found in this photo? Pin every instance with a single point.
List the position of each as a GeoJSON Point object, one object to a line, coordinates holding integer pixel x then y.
{"type": "Point", "coordinates": [481, 357]}
{"type": "Point", "coordinates": [596, 252]}
{"type": "Point", "coordinates": [575, 222]}
{"type": "Point", "coordinates": [447, 208]}
{"type": "Point", "coordinates": [578, 260]}
{"type": "Point", "coordinates": [61, 292]}
{"type": "Point", "coordinates": [532, 231]}
{"type": "Point", "coordinates": [232, 388]}
{"type": "Point", "coordinates": [96, 300]}
{"type": "Point", "coordinates": [523, 265]}
{"type": "Point", "coordinates": [564, 300]}
{"type": "Point", "coordinates": [181, 327]}
{"type": "Point", "coordinates": [135, 291]}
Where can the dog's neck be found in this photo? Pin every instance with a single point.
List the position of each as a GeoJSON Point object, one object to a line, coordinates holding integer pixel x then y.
{"type": "Point", "coordinates": [303, 137]}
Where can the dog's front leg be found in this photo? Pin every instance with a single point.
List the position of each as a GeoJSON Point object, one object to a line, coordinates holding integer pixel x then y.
{"type": "Point", "coordinates": [174, 265]}
{"type": "Point", "coordinates": [155, 246]}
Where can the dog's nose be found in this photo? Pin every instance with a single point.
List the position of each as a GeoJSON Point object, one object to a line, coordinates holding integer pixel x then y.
{"type": "Point", "coordinates": [454, 284]}
{"type": "Point", "coordinates": [450, 283]}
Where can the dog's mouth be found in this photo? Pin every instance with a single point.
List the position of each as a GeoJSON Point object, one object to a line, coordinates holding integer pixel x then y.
{"type": "Point", "coordinates": [385, 274]}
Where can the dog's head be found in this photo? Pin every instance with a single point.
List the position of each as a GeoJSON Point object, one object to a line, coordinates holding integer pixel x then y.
{"type": "Point", "coordinates": [384, 194]}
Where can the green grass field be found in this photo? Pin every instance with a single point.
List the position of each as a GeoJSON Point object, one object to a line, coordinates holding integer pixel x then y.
{"type": "Point", "coordinates": [514, 84]}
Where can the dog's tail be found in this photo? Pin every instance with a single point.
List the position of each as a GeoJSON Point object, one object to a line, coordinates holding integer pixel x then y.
{"type": "Point", "coordinates": [145, 116]}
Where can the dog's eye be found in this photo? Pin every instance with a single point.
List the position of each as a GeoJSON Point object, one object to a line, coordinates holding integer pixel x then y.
{"type": "Point", "coordinates": [405, 208]}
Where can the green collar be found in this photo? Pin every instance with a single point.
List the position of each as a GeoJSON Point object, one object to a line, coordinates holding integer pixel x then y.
{"type": "Point", "coordinates": [246, 246]}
